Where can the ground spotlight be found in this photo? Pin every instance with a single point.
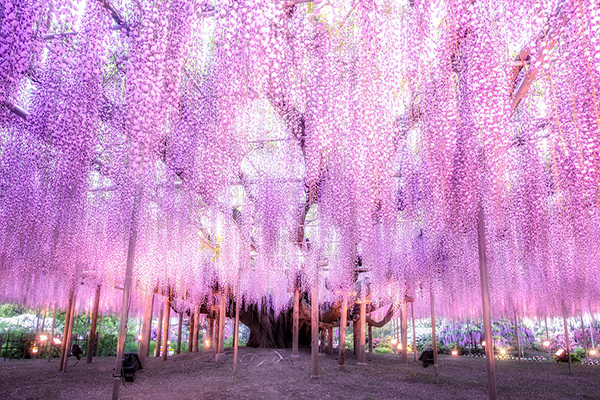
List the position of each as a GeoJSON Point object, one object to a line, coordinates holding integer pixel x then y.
{"type": "Point", "coordinates": [561, 356]}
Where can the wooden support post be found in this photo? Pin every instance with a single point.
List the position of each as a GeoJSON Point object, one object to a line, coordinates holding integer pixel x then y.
{"type": "Point", "coordinates": [362, 326]}
{"type": "Point", "coordinates": [196, 325]}
{"type": "Point", "coordinates": [191, 334]}
{"type": "Point", "coordinates": [69, 335]}
{"type": "Point", "coordinates": [356, 336]}
{"type": "Point", "coordinates": [211, 332]}
{"type": "Point", "coordinates": [485, 297]}
{"type": "Point", "coordinates": [51, 341]}
{"type": "Point", "coordinates": [93, 327]}
{"type": "Point", "coordinates": [412, 311]}
{"type": "Point", "coordinates": [295, 323]}
{"type": "Point", "coordinates": [370, 339]}
{"type": "Point", "coordinates": [216, 334]}
{"type": "Point", "coordinates": [44, 321]}
{"type": "Point", "coordinates": [159, 333]}
{"type": "Point", "coordinates": [517, 334]}
{"type": "Point", "coordinates": [323, 333]}
{"type": "Point", "coordinates": [179, 328]}
{"type": "Point", "coordinates": [236, 327]}
{"type": "Point", "coordinates": [166, 326]}
{"type": "Point", "coordinates": [583, 338]}
{"type": "Point", "coordinates": [314, 328]}
{"type": "Point", "coordinates": [342, 341]}
{"type": "Point", "coordinates": [220, 356]}
{"type": "Point", "coordinates": [63, 349]}
{"type": "Point", "coordinates": [126, 296]}
{"type": "Point", "coordinates": [404, 333]}
{"type": "Point", "coordinates": [567, 341]}
{"type": "Point", "coordinates": [146, 327]}
{"type": "Point", "coordinates": [434, 339]}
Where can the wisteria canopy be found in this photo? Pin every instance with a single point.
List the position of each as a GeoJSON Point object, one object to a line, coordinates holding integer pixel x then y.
{"type": "Point", "coordinates": [251, 144]}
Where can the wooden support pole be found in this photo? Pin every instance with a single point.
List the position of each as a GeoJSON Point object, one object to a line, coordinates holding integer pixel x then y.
{"type": "Point", "coordinates": [412, 311]}
{"type": "Point", "coordinates": [44, 321]}
{"type": "Point", "coordinates": [342, 341]}
{"type": "Point", "coordinates": [356, 336]}
{"type": "Point", "coordinates": [404, 333]}
{"type": "Point", "coordinates": [159, 333]}
{"type": "Point", "coordinates": [295, 323]}
{"type": "Point", "coordinates": [196, 326]}
{"type": "Point", "coordinates": [69, 336]}
{"type": "Point", "coordinates": [51, 341]}
{"type": "Point", "coordinates": [216, 332]}
{"type": "Point", "coordinates": [362, 326]}
{"type": "Point", "coordinates": [485, 298]}
{"type": "Point", "coordinates": [583, 338]}
{"type": "Point", "coordinates": [94, 326]}
{"type": "Point", "coordinates": [236, 327]}
{"type": "Point", "coordinates": [148, 333]}
{"type": "Point", "coordinates": [211, 332]}
{"type": "Point", "coordinates": [370, 339]}
{"type": "Point", "coordinates": [221, 348]}
{"type": "Point", "coordinates": [166, 326]}
{"type": "Point", "coordinates": [126, 297]}
{"type": "Point", "coordinates": [323, 334]}
{"type": "Point", "coordinates": [179, 329]}
{"type": "Point", "coordinates": [314, 328]}
{"type": "Point", "coordinates": [434, 339]}
{"type": "Point", "coordinates": [63, 349]}
{"type": "Point", "coordinates": [517, 334]}
{"type": "Point", "coordinates": [191, 335]}
{"type": "Point", "coordinates": [567, 341]}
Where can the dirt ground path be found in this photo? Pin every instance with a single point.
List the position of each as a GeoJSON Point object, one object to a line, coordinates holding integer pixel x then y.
{"type": "Point", "coordinates": [262, 374]}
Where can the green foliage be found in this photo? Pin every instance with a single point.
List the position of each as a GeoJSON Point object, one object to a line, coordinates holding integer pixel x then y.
{"type": "Point", "coordinates": [382, 350]}
{"type": "Point", "coordinates": [11, 310]}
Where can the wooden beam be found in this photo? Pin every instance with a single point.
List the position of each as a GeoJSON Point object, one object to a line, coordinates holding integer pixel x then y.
{"type": "Point", "coordinates": [93, 327]}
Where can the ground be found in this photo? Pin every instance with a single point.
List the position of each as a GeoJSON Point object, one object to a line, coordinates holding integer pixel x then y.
{"type": "Point", "coordinates": [263, 375]}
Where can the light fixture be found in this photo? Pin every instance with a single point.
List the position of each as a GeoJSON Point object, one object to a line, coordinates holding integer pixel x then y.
{"type": "Point", "coordinates": [483, 343]}
{"type": "Point", "coordinates": [34, 350]}
{"type": "Point", "coordinates": [56, 341]}
{"type": "Point", "coordinates": [168, 342]}
{"type": "Point", "coordinates": [399, 347]}
{"type": "Point", "coordinates": [454, 352]}
{"type": "Point", "coordinates": [394, 342]}
{"type": "Point", "coordinates": [503, 351]}
{"type": "Point", "coordinates": [561, 356]}
{"type": "Point", "coordinates": [546, 343]}
{"type": "Point", "coordinates": [43, 337]}
{"type": "Point", "coordinates": [207, 343]}
{"type": "Point", "coordinates": [139, 338]}
{"type": "Point", "coordinates": [593, 352]}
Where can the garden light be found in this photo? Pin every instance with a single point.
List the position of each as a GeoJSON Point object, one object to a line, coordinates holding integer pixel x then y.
{"type": "Point", "coordinates": [483, 343]}
{"type": "Point", "coordinates": [454, 352]}
{"type": "Point", "coordinates": [561, 356]}
{"type": "Point", "coordinates": [546, 343]}
{"type": "Point", "coordinates": [503, 351]}
{"type": "Point", "coordinates": [43, 337]}
{"type": "Point", "coordinates": [34, 350]}
{"type": "Point", "coordinates": [56, 341]}
{"type": "Point", "coordinates": [139, 338]}
{"type": "Point", "coordinates": [207, 343]}
{"type": "Point", "coordinates": [559, 352]}
{"type": "Point", "coordinates": [399, 347]}
{"type": "Point", "coordinates": [593, 352]}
